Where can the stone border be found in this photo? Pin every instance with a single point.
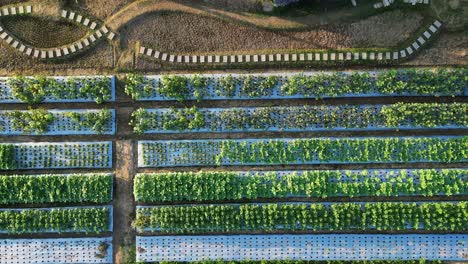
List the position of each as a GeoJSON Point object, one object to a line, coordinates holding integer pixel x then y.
{"type": "Point", "coordinates": [389, 56]}
{"type": "Point", "coordinates": [89, 23]}
{"type": "Point", "coordinates": [59, 52]}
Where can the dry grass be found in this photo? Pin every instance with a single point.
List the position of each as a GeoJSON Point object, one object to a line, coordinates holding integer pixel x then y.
{"type": "Point", "coordinates": [183, 32]}
{"type": "Point", "coordinates": [11, 2]}
{"type": "Point", "coordinates": [448, 49]}
{"type": "Point", "coordinates": [43, 32]}
{"type": "Point", "coordinates": [236, 5]}
{"type": "Point", "coordinates": [101, 8]}
{"type": "Point", "coordinates": [11, 61]}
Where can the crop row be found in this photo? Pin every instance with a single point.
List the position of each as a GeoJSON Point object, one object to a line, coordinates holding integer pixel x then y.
{"type": "Point", "coordinates": [55, 155]}
{"type": "Point", "coordinates": [302, 151]}
{"type": "Point", "coordinates": [39, 189]}
{"type": "Point", "coordinates": [401, 115]}
{"type": "Point", "coordinates": [33, 90]}
{"type": "Point", "coordinates": [220, 186]}
{"type": "Point", "coordinates": [60, 220]}
{"type": "Point", "coordinates": [57, 122]}
{"type": "Point", "coordinates": [337, 216]}
{"type": "Point", "coordinates": [310, 85]}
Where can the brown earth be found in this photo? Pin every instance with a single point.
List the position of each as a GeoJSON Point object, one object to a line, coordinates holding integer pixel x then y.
{"type": "Point", "coordinates": [43, 32]}
{"type": "Point", "coordinates": [185, 32]}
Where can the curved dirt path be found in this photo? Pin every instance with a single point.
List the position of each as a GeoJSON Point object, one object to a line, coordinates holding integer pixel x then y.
{"type": "Point", "coordinates": [140, 7]}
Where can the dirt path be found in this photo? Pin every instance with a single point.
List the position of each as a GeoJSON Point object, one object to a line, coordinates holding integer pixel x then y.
{"type": "Point", "coordinates": [124, 204]}
{"type": "Point", "coordinates": [141, 7]}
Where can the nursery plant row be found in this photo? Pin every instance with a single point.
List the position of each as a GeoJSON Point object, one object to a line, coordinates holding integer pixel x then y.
{"type": "Point", "coordinates": [41, 189]}
{"type": "Point", "coordinates": [56, 220]}
{"type": "Point", "coordinates": [299, 118]}
{"type": "Point", "coordinates": [55, 155]}
{"type": "Point", "coordinates": [57, 122]}
{"type": "Point", "coordinates": [33, 90]}
{"type": "Point", "coordinates": [232, 186]}
{"type": "Point", "coordinates": [383, 216]}
{"type": "Point", "coordinates": [423, 82]}
{"type": "Point", "coordinates": [302, 151]}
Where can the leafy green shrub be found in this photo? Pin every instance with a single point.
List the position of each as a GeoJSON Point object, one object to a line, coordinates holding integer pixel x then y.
{"type": "Point", "coordinates": [7, 157]}
{"type": "Point", "coordinates": [35, 89]}
{"type": "Point", "coordinates": [32, 121]}
{"type": "Point", "coordinates": [29, 90]}
{"type": "Point", "coordinates": [174, 86]}
{"type": "Point", "coordinates": [221, 186]}
{"type": "Point", "coordinates": [97, 121]}
{"type": "Point", "coordinates": [89, 220]}
{"type": "Point", "coordinates": [39, 189]}
{"type": "Point", "coordinates": [381, 216]}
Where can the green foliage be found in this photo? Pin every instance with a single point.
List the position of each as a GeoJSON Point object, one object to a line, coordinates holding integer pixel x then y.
{"type": "Point", "coordinates": [198, 84]}
{"type": "Point", "coordinates": [425, 114]}
{"type": "Point", "coordinates": [34, 90]}
{"type": "Point", "coordinates": [89, 220]}
{"type": "Point", "coordinates": [305, 117]}
{"type": "Point", "coordinates": [174, 86]}
{"type": "Point", "coordinates": [7, 157]}
{"type": "Point", "coordinates": [449, 82]}
{"type": "Point", "coordinates": [227, 86]}
{"type": "Point", "coordinates": [305, 151]}
{"type": "Point", "coordinates": [39, 189]}
{"type": "Point", "coordinates": [383, 216]}
{"type": "Point", "coordinates": [137, 86]}
{"type": "Point", "coordinates": [140, 121]}
{"type": "Point", "coordinates": [29, 90]}
{"type": "Point", "coordinates": [222, 186]}
{"type": "Point", "coordinates": [33, 121]}
{"type": "Point", "coordinates": [97, 121]}
{"type": "Point", "coordinates": [184, 119]}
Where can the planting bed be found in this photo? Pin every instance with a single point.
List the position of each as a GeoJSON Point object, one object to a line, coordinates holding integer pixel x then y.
{"type": "Point", "coordinates": [301, 118]}
{"type": "Point", "coordinates": [58, 122]}
{"type": "Point", "coordinates": [56, 251]}
{"type": "Point", "coordinates": [304, 217]}
{"type": "Point", "coordinates": [301, 151]}
{"type": "Point", "coordinates": [60, 155]}
{"type": "Point", "coordinates": [304, 85]}
{"type": "Point", "coordinates": [302, 247]}
{"type": "Point", "coordinates": [57, 89]}
{"type": "Point", "coordinates": [66, 188]}
{"type": "Point", "coordinates": [220, 186]}
{"type": "Point", "coordinates": [56, 220]}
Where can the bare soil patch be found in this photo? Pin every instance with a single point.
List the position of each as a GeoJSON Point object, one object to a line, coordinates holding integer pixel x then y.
{"type": "Point", "coordinates": [185, 32]}
{"type": "Point", "coordinates": [124, 204]}
{"type": "Point", "coordinates": [448, 49]}
{"type": "Point", "coordinates": [101, 8]}
{"type": "Point", "coordinates": [43, 32]}
{"type": "Point", "coordinates": [12, 61]}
